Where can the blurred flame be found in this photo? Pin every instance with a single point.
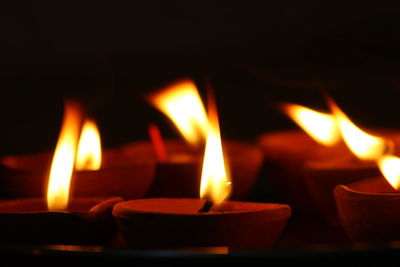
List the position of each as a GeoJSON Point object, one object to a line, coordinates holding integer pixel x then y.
{"type": "Point", "coordinates": [157, 142]}
{"type": "Point", "coordinates": [181, 102]}
{"type": "Point", "coordinates": [365, 146]}
{"type": "Point", "coordinates": [322, 127]}
{"type": "Point", "coordinates": [327, 129]}
{"type": "Point", "coordinates": [390, 167]}
{"type": "Point", "coordinates": [63, 160]}
{"type": "Point", "coordinates": [215, 181]}
{"type": "Point", "coordinates": [89, 149]}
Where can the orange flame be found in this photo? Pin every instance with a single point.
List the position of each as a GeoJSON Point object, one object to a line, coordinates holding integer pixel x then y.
{"type": "Point", "coordinates": [215, 182]}
{"type": "Point", "coordinates": [328, 129]}
{"type": "Point", "coordinates": [365, 146]}
{"type": "Point", "coordinates": [390, 168]}
{"type": "Point", "coordinates": [63, 160]}
{"type": "Point", "coordinates": [181, 102]}
{"type": "Point", "coordinates": [89, 148]}
{"type": "Point", "coordinates": [322, 127]}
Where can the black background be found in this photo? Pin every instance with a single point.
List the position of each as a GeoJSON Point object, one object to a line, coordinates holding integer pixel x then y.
{"type": "Point", "coordinates": [112, 53]}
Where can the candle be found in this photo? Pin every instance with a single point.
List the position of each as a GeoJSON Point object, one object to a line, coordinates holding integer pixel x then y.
{"type": "Point", "coordinates": [178, 163]}
{"type": "Point", "coordinates": [287, 151]}
{"type": "Point", "coordinates": [209, 221]}
{"type": "Point", "coordinates": [176, 222]}
{"type": "Point", "coordinates": [369, 210]}
{"type": "Point", "coordinates": [339, 152]}
{"type": "Point", "coordinates": [108, 173]}
{"type": "Point", "coordinates": [322, 176]}
{"type": "Point", "coordinates": [86, 221]}
{"type": "Point", "coordinates": [59, 220]}
{"type": "Point", "coordinates": [120, 175]}
{"type": "Point", "coordinates": [179, 176]}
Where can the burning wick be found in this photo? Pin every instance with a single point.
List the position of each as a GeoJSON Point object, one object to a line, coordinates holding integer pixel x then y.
{"type": "Point", "coordinates": [158, 143]}
{"type": "Point", "coordinates": [215, 185]}
{"type": "Point", "coordinates": [206, 206]}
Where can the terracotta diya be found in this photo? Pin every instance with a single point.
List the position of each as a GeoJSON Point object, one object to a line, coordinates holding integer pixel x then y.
{"type": "Point", "coordinates": [322, 176]}
{"type": "Point", "coordinates": [26, 176]}
{"type": "Point", "coordinates": [178, 163]}
{"type": "Point", "coordinates": [82, 221]}
{"type": "Point", "coordinates": [285, 153]}
{"type": "Point", "coordinates": [369, 209]}
{"type": "Point", "coordinates": [97, 173]}
{"type": "Point", "coordinates": [308, 171]}
{"type": "Point", "coordinates": [86, 221]}
{"type": "Point", "coordinates": [210, 221]}
{"type": "Point", "coordinates": [177, 222]}
{"type": "Point", "coordinates": [179, 175]}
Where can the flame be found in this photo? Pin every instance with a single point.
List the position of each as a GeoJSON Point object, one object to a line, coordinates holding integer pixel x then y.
{"type": "Point", "coordinates": [365, 146]}
{"type": "Point", "coordinates": [63, 160]}
{"type": "Point", "coordinates": [89, 148]}
{"type": "Point", "coordinates": [181, 102]}
{"type": "Point", "coordinates": [215, 182]}
{"type": "Point", "coordinates": [322, 127]}
{"type": "Point", "coordinates": [390, 168]}
{"type": "Point", "coordinates": [157, 142]}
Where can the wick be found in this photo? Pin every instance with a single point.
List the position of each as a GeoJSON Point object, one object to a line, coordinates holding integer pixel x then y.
{"type": "Point", "coordinates": [206, 206]}
{"type": "Point", "coordinates": [158, 144]}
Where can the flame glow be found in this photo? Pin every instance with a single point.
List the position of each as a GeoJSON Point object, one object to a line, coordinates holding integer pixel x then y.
{"type": "Point", "coordinates": [181, 102]}
{"type": "Point", "coordinates": [63, 160]}
{"type": "Point", "coordinates": [89, 149]}
{"type": "Point", "coordinates": [215, 181]}
{"type": "Point", "coordinates": [390, 167]}
{"type": "Point", "coordinates": [365, 146]}
{"type": "Point", "coordinates": [322, 127]}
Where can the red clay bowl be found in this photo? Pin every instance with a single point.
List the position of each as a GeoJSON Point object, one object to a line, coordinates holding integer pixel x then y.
{"type": "Point", "coordinates": [323, 176]}
{"type": "Point", "coordinates": [369, 210]}
{"type": "Point", "coordinates": [26, 176]}
{"type": "Point", "coordinates": [180, 175]}
{"type": "Point", "coordinates": [87, 221]}
{"type": "Point", "coordinates": [176, 222]}
{"type": "Point", "coordinates": [287, 154]}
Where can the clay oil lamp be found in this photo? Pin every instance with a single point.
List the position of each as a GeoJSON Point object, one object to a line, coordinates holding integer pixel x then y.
{"type": "Point", "coordinates": [97, 173]}
{"type": "Point", "coordinates": [369, 209]}
{"type": "Point", "coordinates": [287, 151]}
{"type": "Point", "coordinates": [323, 175]}
{"type": "Point", "coordinates": [58, 219]}
{"type": "Point", "coordinates": [331, 150]}
{"type": "Point", "coordinates": [208, 221]}
{"type": "Point", "coordinates": [178, 162]}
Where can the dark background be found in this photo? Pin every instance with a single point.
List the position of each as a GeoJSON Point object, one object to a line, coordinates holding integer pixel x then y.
{"type": "Point", "coordinates": [110, 54]}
